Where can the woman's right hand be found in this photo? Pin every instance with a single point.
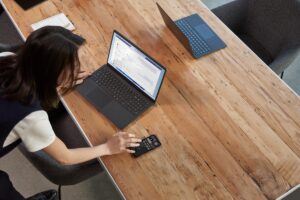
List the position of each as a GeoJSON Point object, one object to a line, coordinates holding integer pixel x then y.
{"type": "Point", "coordinates": [121, 142]}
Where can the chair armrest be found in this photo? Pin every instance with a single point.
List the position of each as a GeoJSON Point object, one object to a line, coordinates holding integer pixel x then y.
{"type": "Point", "coordinates": [232, 14]}
{"type": "Point", "coordinates": [61, 174]}
{"type": "Point", "coordinates": [57, 173]}
{"type": "Point", "coordinates": [284, 59]}
{"type": "Point", "coordinates": [10, 47]}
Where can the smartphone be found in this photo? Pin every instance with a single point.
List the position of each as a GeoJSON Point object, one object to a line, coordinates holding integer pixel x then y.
{"type": "Point", "coordinates": [149, 143]}
{"type": "Point", "coordinates": [292, 194]}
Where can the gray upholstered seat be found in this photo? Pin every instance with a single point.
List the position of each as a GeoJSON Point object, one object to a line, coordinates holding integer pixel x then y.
{"type": "Point", "coordinates": [270, 28]}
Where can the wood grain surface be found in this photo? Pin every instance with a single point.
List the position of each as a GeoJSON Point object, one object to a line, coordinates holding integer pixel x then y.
{"type": "Point", "coordinates": [229, 127]}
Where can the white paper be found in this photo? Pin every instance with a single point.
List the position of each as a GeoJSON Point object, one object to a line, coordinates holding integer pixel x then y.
{"type": "Point", "coordinates": [56, 20]}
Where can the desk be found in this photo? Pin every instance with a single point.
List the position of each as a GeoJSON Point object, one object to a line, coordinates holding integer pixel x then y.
{"type": "Point", "coordinates": [229, 127]}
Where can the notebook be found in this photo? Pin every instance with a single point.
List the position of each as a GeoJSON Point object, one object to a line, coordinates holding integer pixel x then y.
{"type": "Point", "coordinates": [56, 20]}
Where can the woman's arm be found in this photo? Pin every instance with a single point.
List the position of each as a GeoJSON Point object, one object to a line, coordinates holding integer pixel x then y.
{"type": "Point", "coordinates": [117, 144]}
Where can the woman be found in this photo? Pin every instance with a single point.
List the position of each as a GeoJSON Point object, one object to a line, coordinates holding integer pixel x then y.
{"type": "Point", "coordinates": [29, 81]}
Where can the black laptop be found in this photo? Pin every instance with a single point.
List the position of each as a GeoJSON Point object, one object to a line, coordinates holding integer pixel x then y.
{"type": "Point", "coordinates": [196, 36]}
{"type": "Point", "coordinates": [127, 85]}
{"type": "Point", "coordinates": [292, 194]}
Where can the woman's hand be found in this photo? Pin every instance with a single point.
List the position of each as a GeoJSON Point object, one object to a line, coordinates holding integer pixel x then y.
{"type": "Point", "coordinates": [62, 86]}
{"type": "Point", "coordinates": [82, 74]}
{"type": "Point", "coordinates": [120, 142]}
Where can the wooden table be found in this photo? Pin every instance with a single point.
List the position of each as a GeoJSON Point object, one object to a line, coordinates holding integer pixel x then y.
{"type": "Point", "coordinates": [229, 127]}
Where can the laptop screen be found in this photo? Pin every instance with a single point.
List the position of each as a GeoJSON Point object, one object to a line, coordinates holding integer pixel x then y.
{"type": "Point", "coordinates": [137, 67]}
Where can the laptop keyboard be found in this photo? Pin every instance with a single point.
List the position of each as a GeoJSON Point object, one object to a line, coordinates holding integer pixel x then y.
{"type": "Point", "coordinates": [120, 91]}
{"type": "Point", "coordinates": [199, 46]}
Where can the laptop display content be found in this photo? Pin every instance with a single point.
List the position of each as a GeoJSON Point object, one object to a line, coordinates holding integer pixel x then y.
{"type": "Point", "coordinates": [138, 68]}
{"type": "Point", "coordinates": [127, 85]}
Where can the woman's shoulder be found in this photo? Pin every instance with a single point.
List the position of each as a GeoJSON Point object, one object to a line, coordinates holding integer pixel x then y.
{"type": "Point", "coordinates": [14, 110]}
{"type": "Point", "coordinates": [36, 116]}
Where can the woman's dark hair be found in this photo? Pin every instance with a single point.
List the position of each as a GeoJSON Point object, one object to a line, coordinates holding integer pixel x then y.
{"type": "Point", "coordinates": [33, 73]}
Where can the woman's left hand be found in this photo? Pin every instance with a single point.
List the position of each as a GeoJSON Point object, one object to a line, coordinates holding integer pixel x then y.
{"type": "Point", "coordinates": [82, 74]}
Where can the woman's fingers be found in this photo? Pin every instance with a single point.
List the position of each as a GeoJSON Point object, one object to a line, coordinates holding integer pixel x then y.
{"type": "Point", "coordinates": [133, 144]}
{"type": "Point", "coordinates": [122, 142]}
{"type": "Point", "coordinates": [79, 81]}
{"type": "Point", "coordinates": [127, 141]}
{"type": "Point", "coordinates": [83, 75]}
{"type": "Point", "coordinates": [131, 135]}
{"type": "Point", "coordinates": [133, 140]}
{"type": "Point", "coordinates": [130, 151]}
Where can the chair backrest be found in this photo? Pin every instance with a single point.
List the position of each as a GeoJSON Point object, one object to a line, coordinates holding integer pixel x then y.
{"type": "Point", "coordinates": [274, 23]}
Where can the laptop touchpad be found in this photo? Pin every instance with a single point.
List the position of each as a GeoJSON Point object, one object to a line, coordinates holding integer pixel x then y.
{"type": "Point", "coordinates": [116, 113]}
{"type": "Point", "coordinates": [98, 98]}
{"type": "Point", "coordinates": [204, 31]}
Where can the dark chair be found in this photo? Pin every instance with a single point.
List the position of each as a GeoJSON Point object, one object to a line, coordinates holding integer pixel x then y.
{"type": "Point", "coordinates": [10, 39]}
{"type": "Point", "coordinates": [270, 28]}
{"type": "Point", "coordinates": [58, 174]}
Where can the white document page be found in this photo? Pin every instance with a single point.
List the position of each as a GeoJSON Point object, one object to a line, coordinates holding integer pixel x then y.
{"type": "Point", "coordinates": [56, 20]}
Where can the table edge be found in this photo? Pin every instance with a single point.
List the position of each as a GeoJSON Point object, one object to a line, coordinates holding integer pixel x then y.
{"type": "Point", "coordinates": [90, 144]}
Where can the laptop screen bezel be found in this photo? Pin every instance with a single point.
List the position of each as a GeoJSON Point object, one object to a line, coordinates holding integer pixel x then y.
{"type": "Point", "coordinates": [127, 40]}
